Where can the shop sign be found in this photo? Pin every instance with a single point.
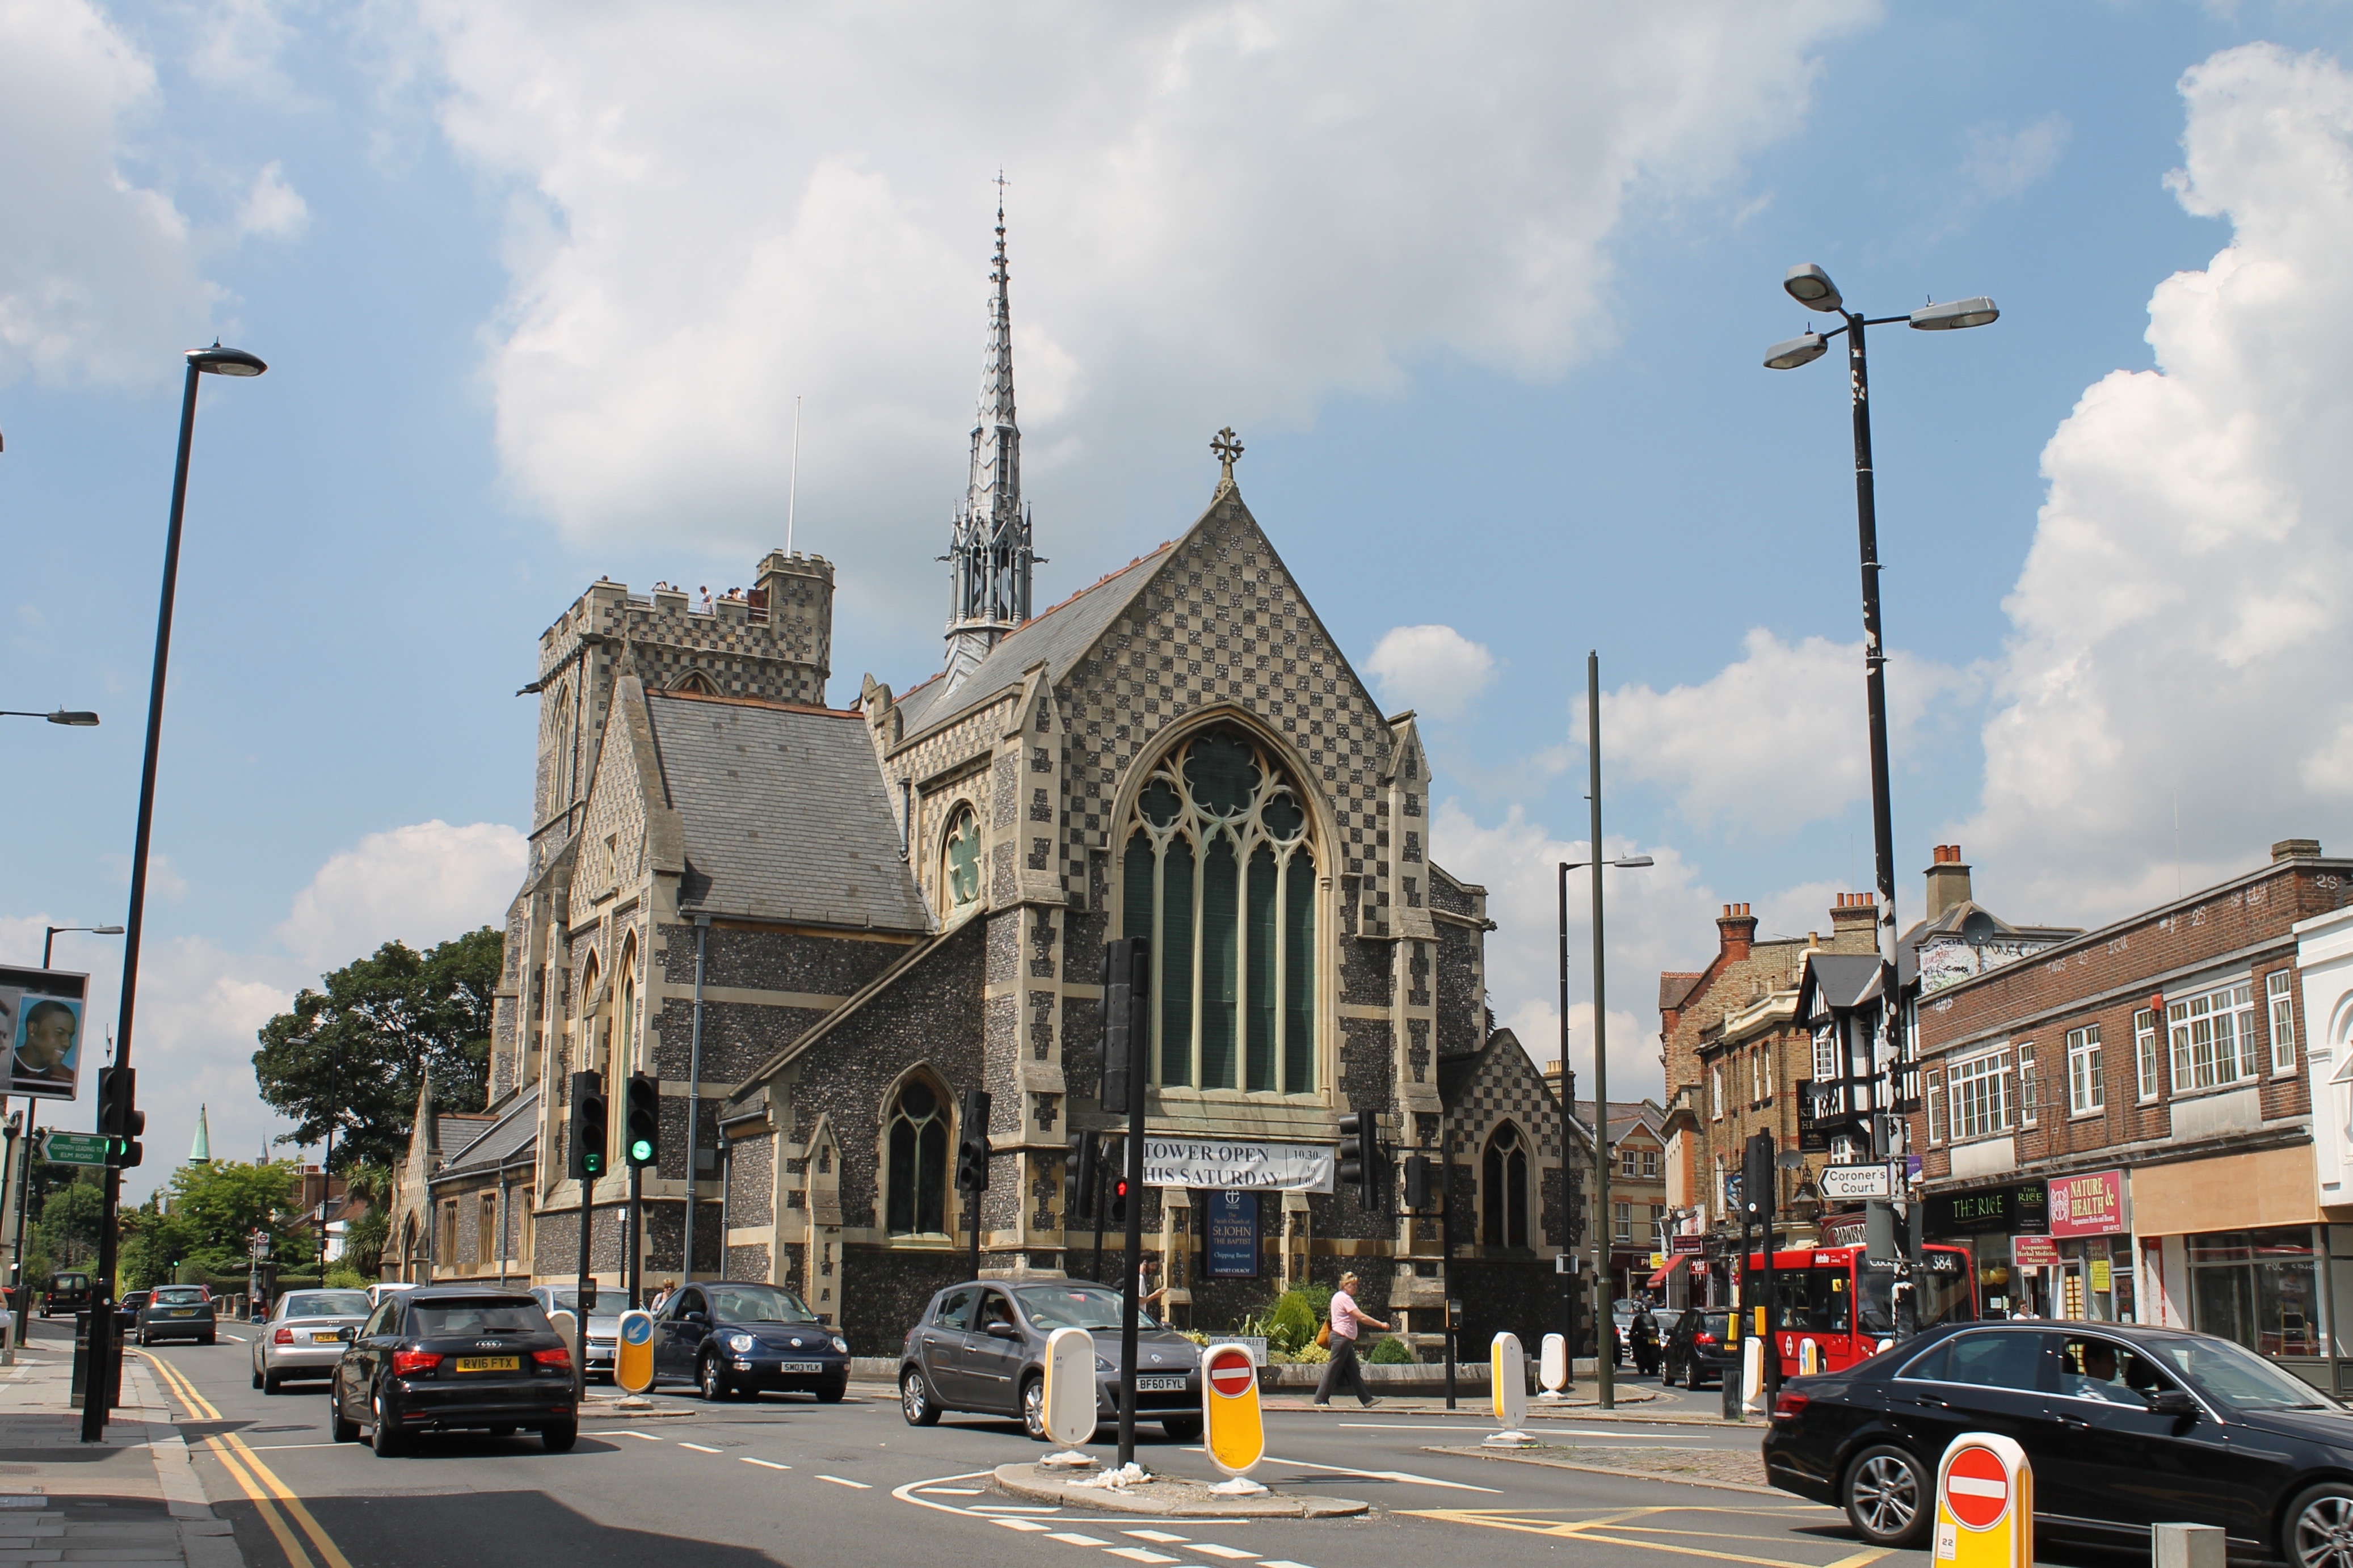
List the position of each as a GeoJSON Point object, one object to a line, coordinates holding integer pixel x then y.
{"type": "Point", "coordinates": [2099, 1274]}
{"type": "Point", "coordinates": [2015, 1211]}
{"type": "Point", "coordinates": [1687, 1245]}
{"type": "Point", "coordinates": [2035, 1252]}
{"type": "Point", "coordinates": [2088, 1205]}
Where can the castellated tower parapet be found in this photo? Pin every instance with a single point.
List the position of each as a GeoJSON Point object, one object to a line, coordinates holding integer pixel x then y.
{"type": "Point", "coordinates": [774, 642]}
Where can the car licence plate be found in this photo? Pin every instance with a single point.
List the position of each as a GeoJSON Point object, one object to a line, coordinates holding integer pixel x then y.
{"type": "Point", "coordinates": [325, 1337]}
{"type": "Point", "coordinates": [488, 1363]}
{"type": "Point", "coordinates": [1159, 1385]}
{"type": "Point", "coordinates": [182, 1312]}
{"type": "Point", "coordinates": [800, 1367]}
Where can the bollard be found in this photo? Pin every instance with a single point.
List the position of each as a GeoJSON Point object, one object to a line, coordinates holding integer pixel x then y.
{"type": "Point", "coordinates": [633, 1352]}
{"type": "Point", "coordinates": [2187, 1545]}
{"type": "Point", "coordinates": [1552, 1367]}
{"type": "Point", "coordinates": [567, 1328]}
{"type": "Point", "coordinates": [1985, 1503]}
{"type": "Point", "coordinates": [1233, 1424]}
{"type": "Point", "coordinates": [1067, 1401]}
{"type": "Point", "coordinates": [1810, 1358]}
{"type": "Point", "coordinates": [1507, 1377]}
{"type": "Point", "coordinates": [1752, 1376]}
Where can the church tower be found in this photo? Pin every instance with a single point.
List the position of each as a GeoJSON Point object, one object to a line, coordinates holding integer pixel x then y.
{"type": "Point", "coordinates": [989, 555]}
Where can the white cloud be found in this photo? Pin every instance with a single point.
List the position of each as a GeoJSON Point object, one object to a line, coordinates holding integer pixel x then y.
{"type": "Point", "coordinates": [163, 878]}
{"type": "Point", "coordinates": [1219, 215]}
{"type": "Point", "coordinates": [1434, 670]}
{"type": "Point", "coordinates": [273, 207]}
{"type": "Point", "coordinates": [98, 273]}
{"type": "Point", "coordinates": [421, 884]}
{"type": "Point", "coordinates": [2179, 627]}
{"type": "Point", "coordinates": [1723, 748]}
{"type": "Point", "coordinates": [2000, 163]}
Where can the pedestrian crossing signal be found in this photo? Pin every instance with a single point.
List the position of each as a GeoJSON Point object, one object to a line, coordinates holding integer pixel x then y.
{"type": "Point", "coordinates": [1118, 1214]}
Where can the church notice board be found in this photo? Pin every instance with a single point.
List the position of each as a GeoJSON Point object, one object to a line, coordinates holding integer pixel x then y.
{"type": "Point", "coordinates": [1231, 1234]}
{"type": "Point", "coordinates": [41, 1020]}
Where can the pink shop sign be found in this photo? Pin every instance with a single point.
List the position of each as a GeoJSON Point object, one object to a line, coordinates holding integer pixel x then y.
{"type": "Point", "coordinates": [2088, 1205]}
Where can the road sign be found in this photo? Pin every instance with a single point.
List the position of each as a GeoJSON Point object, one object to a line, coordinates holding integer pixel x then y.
{"type": "Point", "coordinates": [1066, 1403]}
{"type": "Point", "coordinates": [1851, 1183]}
{"type": "Point", "coordinates": [1507, 1379]}
{"type": "Point", "coordinates": [1235, 1426]}
{"type": "Point", "coordinates": [1985, 1503]}
{"type": "Point", "coordinates": [633, 1352]}
{"type": "Point", "coordinates": [73, 1148]}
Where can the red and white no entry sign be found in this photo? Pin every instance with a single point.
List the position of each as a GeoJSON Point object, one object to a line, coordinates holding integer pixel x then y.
{"type": "Point", "coordinates": [1977, 1487]}
{"type": "Point", "coordinates": [1232, 1374]}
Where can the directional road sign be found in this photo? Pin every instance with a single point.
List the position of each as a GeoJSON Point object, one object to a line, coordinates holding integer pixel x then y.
{"type": "Point", "coordinates": [633, 1352]}
{"type": "Point", "coordinates": [1848, 1183]}
{"type": "Point", "coordinates": [73, 1148]}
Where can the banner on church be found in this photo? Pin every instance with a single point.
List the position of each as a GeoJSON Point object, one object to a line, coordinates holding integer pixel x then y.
{"type": "Point", "coordinates": [1220, 1164]}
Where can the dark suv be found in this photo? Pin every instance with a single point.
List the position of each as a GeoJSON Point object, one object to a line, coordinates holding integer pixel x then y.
{"type": "Point", "coordinates": [982, 1347]}
{"type": "Point", "coordinates": [1699, 1348]}
{"type": "Point", "coordinates": [444, 1358]}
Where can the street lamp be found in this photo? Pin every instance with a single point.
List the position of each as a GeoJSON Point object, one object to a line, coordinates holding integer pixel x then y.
{"type": "Point", "coordinates": [79, 718]}
{"type": "Point", "coordinates": [48, 941]}
{"type": "Point", "coordinates": [1811, 286]}
{"type": "Point", "coordinates": [214, 361]}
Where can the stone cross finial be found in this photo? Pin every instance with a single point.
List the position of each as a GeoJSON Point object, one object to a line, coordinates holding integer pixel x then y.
{"type": "Point", "coordinates": [1228, 451]}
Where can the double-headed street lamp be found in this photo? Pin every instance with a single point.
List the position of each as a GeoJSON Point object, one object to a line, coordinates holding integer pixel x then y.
{"type": "Point", "coordinates": [214, 361]}
{"type": "Point", "coordinates": [1602, 1379]}
{"type": "Point", "coordinates": [49, 941]}
{"type": "Point", "coordinates": [1811, 286]}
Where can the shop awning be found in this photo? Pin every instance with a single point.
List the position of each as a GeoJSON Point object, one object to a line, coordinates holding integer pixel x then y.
{"type": "Point", "coordinates": [1673, 1263]}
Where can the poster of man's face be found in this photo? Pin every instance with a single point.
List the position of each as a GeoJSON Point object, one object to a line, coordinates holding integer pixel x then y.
{"type": "Point", "coordinates": [44, 1033]}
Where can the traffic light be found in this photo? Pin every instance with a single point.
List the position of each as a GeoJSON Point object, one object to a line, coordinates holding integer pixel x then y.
{"type": "Point", "coordinates": [641, 1124]}
{"type": "Point", "coordinates": [120, 1120]}
{"type": "Point", "coordinates": [1126, 1016]}
{"type": "Point", "coordinates": [972, 1143]}
{"type": "Point", "coordinates": [1117, 1211]}
{"type": "Point", "coordinates": [1757, 1182]}
{"type": "Point", "coordinates": [1080, 1174]}
{"type": "Point", "coordinates": [1360, 1155]}
{"type": "Point", "coordinates": [587, 1153]}
{"type": "Point", "coordinates": [1419, 1168]}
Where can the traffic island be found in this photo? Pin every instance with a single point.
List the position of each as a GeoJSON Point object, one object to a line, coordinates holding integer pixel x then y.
{"type": "Point", "coordinates": [1165, 1497]}
{"type": "Point", "coordinates": [629, 1407]}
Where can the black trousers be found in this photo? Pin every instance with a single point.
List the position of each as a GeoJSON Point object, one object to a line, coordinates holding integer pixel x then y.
{"type": "Point", "coordinates": [1343, 1371]}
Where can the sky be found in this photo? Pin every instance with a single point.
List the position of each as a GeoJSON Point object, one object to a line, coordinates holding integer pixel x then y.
{"type": "Point", "coordinates": [1485, 292]}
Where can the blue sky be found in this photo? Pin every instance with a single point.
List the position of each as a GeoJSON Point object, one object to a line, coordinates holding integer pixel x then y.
{"type": "Point", "coordinates": [538, 288]}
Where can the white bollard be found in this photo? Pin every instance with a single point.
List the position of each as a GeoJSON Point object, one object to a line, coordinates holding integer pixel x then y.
{"type": "Point", "coordinates": [2187, 1545]}
{"type": "Point", "coordinates": [1507, 1376]}
{"type": "Point", "coordinates": [1068, 1404]}
{"type": "Point", "coordinates": [1752, 1375]}
{"type": "Point", "coordinates": [1552, 1367]}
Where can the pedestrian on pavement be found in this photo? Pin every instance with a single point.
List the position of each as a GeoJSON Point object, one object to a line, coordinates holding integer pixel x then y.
{"type": "Point", "coordinates": [1348, 1319]}
{"type": "Point", "coordinates": [1149, 1291]}
{"type": "Point", "coordinates": [668, 1288]}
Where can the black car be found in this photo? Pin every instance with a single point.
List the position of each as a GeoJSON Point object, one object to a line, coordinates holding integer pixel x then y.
{"type": "Point", "coordinates": [449, 1357]}
{"type": "Point", "coordinates": [731, 1339]}
{"type": "Point", "coordinates": [1700, 1347]}
{"type": "Point", "coordinates": [981, 1347]}
{"type": "Point", "coordinates": [126, 1311]}
{"type": "Point", "coordinates": [177, 1312]}
{"type": "Point", "coordinates": [70, 1291]}
{"type": "Point", "coordinates": [2126, 1428]}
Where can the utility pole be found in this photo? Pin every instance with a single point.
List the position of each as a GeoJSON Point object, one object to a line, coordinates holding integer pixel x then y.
{"type": "Point", "coordinates": [1604, 1284]}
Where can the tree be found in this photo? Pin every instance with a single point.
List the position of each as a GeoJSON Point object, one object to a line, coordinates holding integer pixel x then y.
{"type": "Point", "coordinates": [364, 1238]}
{"type": "Point", "coordinates": [70, 1220]}
{"type": "Point", "coordinates": [212, 1210]}
{"type": "Point", "coordinates": [353, 1057]}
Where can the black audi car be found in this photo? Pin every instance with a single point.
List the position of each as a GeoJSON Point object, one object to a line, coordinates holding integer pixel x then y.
{"type": "Point", "coordinates": [1699, 1348]}
{"type": "Point", "coordinates": [731, 1340]}
{"type": "Point", "coordinates": [2126, 1428]}
{"type": "Point", "coordinates": [982, 1346]}
{"type": "Point", "coordinates": [452, 1357]}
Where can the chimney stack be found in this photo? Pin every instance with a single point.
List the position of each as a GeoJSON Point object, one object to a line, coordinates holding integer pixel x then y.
{"type": "Point", "coordinates": [1949, 880]}
{"type": "Point", "coordinates": [1736, 932]}
{"type": "Point", "coordinates": [2295, 850]}
{"type": "Point", "coordinates": [1854, 923]}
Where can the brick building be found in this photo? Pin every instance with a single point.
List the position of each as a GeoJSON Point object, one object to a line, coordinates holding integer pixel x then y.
{"type": "Point", "coordinates": [2119, 1125]}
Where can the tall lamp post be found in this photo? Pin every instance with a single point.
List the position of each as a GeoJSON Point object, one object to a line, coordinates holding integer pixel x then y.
{"type": "Point", "coordinates": [79, 721]}
{"type": "Point", "coordinates": [1604, 1382]}
{"type": "Point", "coordinates": [1811, 286]}
{"type": "Point", "coordinates": [214, 361]}
{"type": "Point", "coordinates": [49, 939]}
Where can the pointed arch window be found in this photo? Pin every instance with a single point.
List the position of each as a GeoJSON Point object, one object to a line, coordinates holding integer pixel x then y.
{"type": "Point", "coordinates": [917, 1141]}
{"type": "Point", "coordinates": [1504, 1190]}
{"type": "Point", "coordinates": [695, 683]}
{"type": "Point", "coordinates": [1218, 870]}
{"type": "Point", "coordinates": [960, 861]}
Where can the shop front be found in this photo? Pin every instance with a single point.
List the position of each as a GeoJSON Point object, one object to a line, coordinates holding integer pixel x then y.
{"type": "Point", "coordinates": [2090, 1276]}
{"type": "Point", "coordinates": [1984, 1220]}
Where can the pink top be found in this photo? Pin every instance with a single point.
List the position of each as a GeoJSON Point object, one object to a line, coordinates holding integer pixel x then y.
{"type": "Point", "coordinates": [1344, 1314]}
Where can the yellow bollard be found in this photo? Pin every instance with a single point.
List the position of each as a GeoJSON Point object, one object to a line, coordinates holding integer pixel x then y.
{"type": "Point", "coordinates": [1985, 1503]}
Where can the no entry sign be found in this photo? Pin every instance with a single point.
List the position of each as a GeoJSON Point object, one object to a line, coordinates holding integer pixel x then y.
{"type": "Point", "coordinates": [1985, 1503]}
{"type": "Point", "coordinates": [1979, 1488]}
{"type": "Point", "coordinates": [1236, 1428]}
{"type": "Point", "coordinates": [1233, 1376]}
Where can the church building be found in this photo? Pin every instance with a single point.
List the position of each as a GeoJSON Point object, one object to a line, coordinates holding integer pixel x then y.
{"type": "Point", "coordinates": [818, 927]}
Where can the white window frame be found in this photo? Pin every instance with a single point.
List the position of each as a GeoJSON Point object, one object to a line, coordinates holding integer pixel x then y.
{"type": "Point", "coordinates": [1649, 1162]}
{"type": "Point", "coordinates": [2087, 1093]}
{"type": "Point", "coordinates": [2144, 1052]}
{"type": "Point", "coordinates": [2212, 1037]}
{"type": "Point", "coordinates": [2279, 989]}
{"type": "Point", "coordinates": [2030, 1089]}
{"type": "Point", "coordinates": [1716, 1096]}
{"type": "Point", "coordinates": [1934, 1096]}
{"type": "Point", "coordinates": [1827, 1067]}
{"type": "Point", "coordinates": [1622, 1221]}
{"type": "Point", "coordinates": [1981, 1109]}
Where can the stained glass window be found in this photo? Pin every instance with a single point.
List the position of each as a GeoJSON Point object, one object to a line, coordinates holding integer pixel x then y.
{"type": "Point", "coordinates": [962, 857]}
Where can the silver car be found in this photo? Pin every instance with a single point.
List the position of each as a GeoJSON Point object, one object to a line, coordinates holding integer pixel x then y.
{"type": "Point", "coordinates": [305, 1335]}
{"type": "Point", "coordinates": [603, 1329]}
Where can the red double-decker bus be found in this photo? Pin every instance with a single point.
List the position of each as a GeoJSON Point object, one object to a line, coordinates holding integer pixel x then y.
{"type": "Point", "coordinates": [1834, 1298]}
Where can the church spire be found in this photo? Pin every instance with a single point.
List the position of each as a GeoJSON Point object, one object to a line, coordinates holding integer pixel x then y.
{"type": "Point", "coordinates": [989, 552]}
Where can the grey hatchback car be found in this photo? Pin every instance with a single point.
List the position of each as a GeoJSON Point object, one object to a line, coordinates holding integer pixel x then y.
{"type": "Point", "coordinates": [177, 1312]}
{"type": "Point", "coordinates": [981, 1347]}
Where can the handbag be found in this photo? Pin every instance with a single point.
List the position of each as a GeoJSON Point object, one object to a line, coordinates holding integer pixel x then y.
{"type": "Point", "coordinates": [1323, 1337]}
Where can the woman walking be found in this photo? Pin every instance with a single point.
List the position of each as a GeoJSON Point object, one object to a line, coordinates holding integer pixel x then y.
{"type": "Point", "coordinates": [1348, 1318]}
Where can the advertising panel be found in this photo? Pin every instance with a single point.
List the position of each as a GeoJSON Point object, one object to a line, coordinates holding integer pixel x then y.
{"type": "Point", "coordinates": [2088, 1205]}
{"type": "Point", "coordinates": [1220, 1163]}
{"type": "Point", "coordinates": [2033, 1251]}
{"type": "Point", "coordinates": [1231, 1220]}
{"type": "Point", "coordinates": [41, 1019]}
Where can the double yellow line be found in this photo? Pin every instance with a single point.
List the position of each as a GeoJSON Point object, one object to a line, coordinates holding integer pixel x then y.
{"type": "Point", "coordinates": [272, 1497]}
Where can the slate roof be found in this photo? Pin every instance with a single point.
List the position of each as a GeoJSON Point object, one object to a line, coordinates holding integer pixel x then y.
{"type": "Point", "coordinates": [785, 813]}
{"type": "Point", "coordinates": [506, 1140]}
{"type": "Point", "coordinates": [1674, 985]}
{"type": "Point", "coordinates": [1059, 637]}
{"type": "Point", "coordinates": [1839, 980]}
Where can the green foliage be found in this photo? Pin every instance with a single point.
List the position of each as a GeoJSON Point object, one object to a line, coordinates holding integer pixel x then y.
{"type": "Point", "coordinates": [351, 1057]}
{"type": "Point", "coordinates": [364, 1238]}
{"type": "Point", "coordinates": [1288, 1324]}
{"type": "Point", "coordinates": [1391, 1353]}
{"type": "Point", "coordinates": [70, 1222]}
{"type": "Point", "coordinates": [342, 1276]}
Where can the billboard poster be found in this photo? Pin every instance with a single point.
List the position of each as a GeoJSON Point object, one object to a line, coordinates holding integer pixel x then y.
{"type": "Point", "coordinates": [1231, 1222]}
{"type": "Point", "coordinates": [41, 1019]}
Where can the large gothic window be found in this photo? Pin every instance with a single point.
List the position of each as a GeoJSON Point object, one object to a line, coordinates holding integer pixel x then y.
{"type": "Point", "coordinates": [1219, 873]}
{"type": "Point", "coordinates": [1504, 1190]}
{"type": "Point", "coordinates": [918, 1145]}
{"type": "Point", "coordinates": [960, 861]}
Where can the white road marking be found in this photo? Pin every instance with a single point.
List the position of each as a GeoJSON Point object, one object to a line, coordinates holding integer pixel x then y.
{"type": "Point", "coordinates": [1160, 1535]}
{"type": "Point", "coordinates": [1280, 1563]}
{"type": "Point", "coordinates": [765, 1464]}
{"type": "Point", "coordinates": [1069, 1538]}
{"type": "Point", "coordinates": [696, 1447]}
{"type": "Point", "coordinates": [950, 1491]}
{"type": "Point", "coordinates": [1138, 1555]}
{"type": "Point", "coordinates": [1234, 1553]}
{"type": "Point", "coordinates": [1385, 1475]}
{"type": "Point", "coordinates": [640, 1436]}
{"type": "Point", "coordinates": [839, 1482]}
{"type": "Point", "coordinates": [1015, 1523]}
{"type": "Point", "coordinates": [1011, 1507]}
{"type": "Point", "coordinates": [238, 1337]}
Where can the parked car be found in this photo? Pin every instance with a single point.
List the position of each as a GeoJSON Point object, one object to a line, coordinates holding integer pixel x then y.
{"type": "Point", "coordinates": [603, 1328]}
{"type": "Point", "coordinates": [177, 1312]}
{"type": "Point", "coordinates": [126, 1312]}
{"type": "Point", "coordinates": [981, 1347]}
{"type": "Point", "coordinates": [1700, 1347]}
{"type": "Point", "coordinates": [443, 1358]}
{"type": "Point", "coordinates": [69, 1292]}
{"type": "Point", "coordinates": [378, 1291]}
{"type": "Point", "coordinates": [739, 1339]}
{"type": "Point", "coordinates": [2126, 1428]}
{"type": "Point", "coordinates": [304, 1335]}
